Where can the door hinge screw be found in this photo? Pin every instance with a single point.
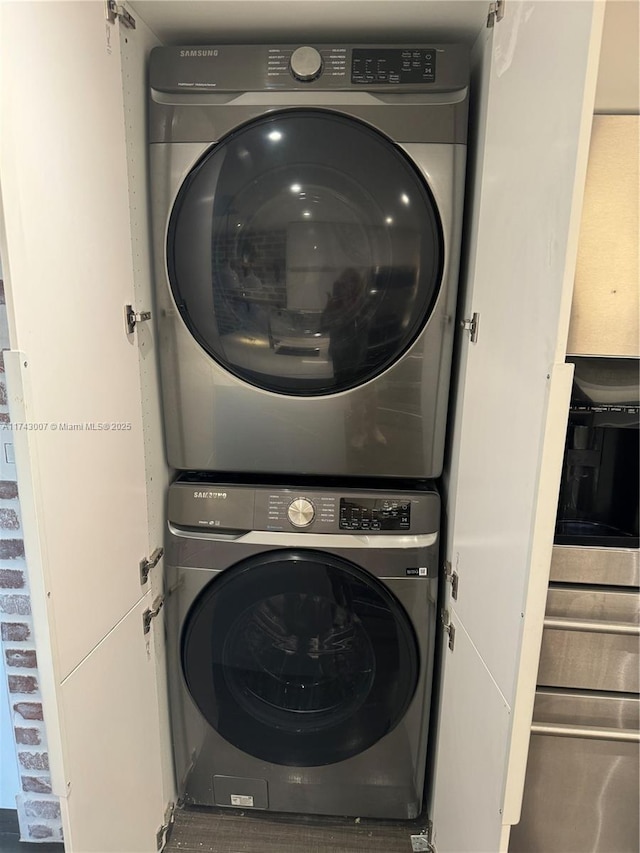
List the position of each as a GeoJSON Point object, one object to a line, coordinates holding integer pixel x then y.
{"type": "Point", "coordinates": [452, 577]}
{"type": "Point", "coordinates": [117, 12]}
{"type": "Point", "coordinates": [472, 326]}
{"type": "Point", "coordinates": [496, 12]}
{"type": "Point", "coordinates": [132, 318]}
{"type": "Point", "coordinates": [150, 563]}
{"type": "Point", "coordinates": [151, 613]}
{"type": "Point", "coordinates": [449, 628]}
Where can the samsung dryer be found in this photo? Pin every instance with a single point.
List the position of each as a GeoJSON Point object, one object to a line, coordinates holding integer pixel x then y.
{"type": "Point", "coordinates": [307, 208]}
{"type": "Point", "coordinates": [300, 629]}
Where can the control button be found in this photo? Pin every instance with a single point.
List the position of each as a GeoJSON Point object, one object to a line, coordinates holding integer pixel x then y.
{"type": "Point", "coordinates": [301, 512]}
{"type": "Point", "coordinates": [306, 63]}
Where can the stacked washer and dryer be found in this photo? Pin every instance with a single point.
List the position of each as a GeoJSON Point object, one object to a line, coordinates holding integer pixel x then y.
{"type": "Point", "coordinates": [307, 210]}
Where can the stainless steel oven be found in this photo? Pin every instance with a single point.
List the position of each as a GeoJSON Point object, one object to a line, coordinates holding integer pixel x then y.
{"type": "Point", "coordinates": [581, 792]}
{"type": "Point", "coordinates": [598, 502]}
{"type": "Point", "coordinates": [582, 787]}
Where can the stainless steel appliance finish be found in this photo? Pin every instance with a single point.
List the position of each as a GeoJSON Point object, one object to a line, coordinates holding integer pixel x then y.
{"type": "Point", "coordinates": [582, 787]}
{"type": "Point", "coordinates": [300, 658]}
{"type": "Point", "coordinates": [591, 639]}
{"type": "Point", "coordinates": [307, 209]}
{"type": "Point", "coordinates": [605, 566]}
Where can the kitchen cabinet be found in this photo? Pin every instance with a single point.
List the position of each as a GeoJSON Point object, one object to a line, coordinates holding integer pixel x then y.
{"type": "Point", "coordinates": [76, 241]}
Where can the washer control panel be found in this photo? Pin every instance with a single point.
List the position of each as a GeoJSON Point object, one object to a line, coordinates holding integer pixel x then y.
{"type": "Point", "coordinates": [375, 514]}
{"type": "Point", "coordinates": [301, 512]}
{"type": "Point", "coordinates": [282, 509]}
{"type": "Point", "coordinates": [195, 504]}
{"type": "Point", "coordinates": [305, 63]}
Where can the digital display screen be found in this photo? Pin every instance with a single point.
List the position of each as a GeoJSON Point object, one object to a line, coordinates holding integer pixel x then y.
{"type": "Point", "coordinates": [393, 65]}
{"type": "Point", "coordinates": [375, 514]}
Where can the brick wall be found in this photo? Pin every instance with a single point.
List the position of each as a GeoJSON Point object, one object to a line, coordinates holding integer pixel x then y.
{"type": "Point", "coordinates": [38, 809]}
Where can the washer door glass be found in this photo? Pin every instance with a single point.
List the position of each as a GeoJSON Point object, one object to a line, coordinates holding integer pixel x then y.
{"type": "Point", "coordinates": [299, 658]}
{"type": "Point", "coordinates": [305, 252]}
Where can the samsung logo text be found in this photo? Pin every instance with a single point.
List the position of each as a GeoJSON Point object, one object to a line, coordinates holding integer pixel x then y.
{"type": "Point", "coordinates": [198, 53]}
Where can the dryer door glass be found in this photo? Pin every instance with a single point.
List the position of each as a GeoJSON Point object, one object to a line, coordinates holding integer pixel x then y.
{"type": "Point", "coordinates": [305, 252]}
{"type": "Point", "coordinates": [299, 658]}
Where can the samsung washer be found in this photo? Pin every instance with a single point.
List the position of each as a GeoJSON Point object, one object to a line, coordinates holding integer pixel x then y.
{"type": "Point", "coordinates": [301, 626]}
{"type": "Point", "coordinates": [307, 208]}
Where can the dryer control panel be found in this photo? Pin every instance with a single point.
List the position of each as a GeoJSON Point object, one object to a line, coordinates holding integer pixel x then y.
{"type": "Point", "coordinates": [230, 507]}
{"type": "Point", "coordinates": [393, 65]}
{"type": "Point", "coordinates": [426, 68]}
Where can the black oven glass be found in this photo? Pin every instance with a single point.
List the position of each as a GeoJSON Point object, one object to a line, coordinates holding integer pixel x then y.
{"type": "Point", "coordinates": [598, 502]}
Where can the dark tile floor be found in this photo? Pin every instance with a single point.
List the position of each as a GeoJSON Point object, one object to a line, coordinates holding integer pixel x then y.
{"type": "Point", "coordinates": [223, 831]}
{"type": "Point", "coordinates": [10, 837]}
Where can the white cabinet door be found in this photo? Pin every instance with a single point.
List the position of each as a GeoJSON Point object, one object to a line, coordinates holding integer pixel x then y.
{"type": "Point", "coordinates": [534, 98]}
{"type": "Point", "coordinates": [69, 272]}
{"type": "Point", "coordinates": [114, 802]}
{"type": "Point", "coordinates": [75, 373]}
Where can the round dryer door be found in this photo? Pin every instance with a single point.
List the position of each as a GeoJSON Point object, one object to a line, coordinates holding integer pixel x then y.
{"type": "Point", "coordinates": [305, 252]}
{"type": "Point", "coordinates": [299, 658]}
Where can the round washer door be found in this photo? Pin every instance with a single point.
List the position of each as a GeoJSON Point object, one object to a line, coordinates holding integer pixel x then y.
{"type": "Point", "coordinates": [305, 252]}
{"type": "Point", "coordinates": [299, 658]}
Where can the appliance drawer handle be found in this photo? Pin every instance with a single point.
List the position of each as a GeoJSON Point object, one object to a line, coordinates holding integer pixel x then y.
{"type": "Point", "coordinates": [588, 733]}
{"type": "Point", "coordinates": [592, 626]}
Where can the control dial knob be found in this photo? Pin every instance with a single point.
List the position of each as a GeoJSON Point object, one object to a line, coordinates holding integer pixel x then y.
{"type": "Point", "coordinates": [301, 512]}
{"type": "Point", "coordinates": [306, 63]}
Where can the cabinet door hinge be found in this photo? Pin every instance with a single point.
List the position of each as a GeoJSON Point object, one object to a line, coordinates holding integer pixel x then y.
{"type": "Point", "coordinates": [423, 841]}
{"type": "Point", "coordinates": [117, 12]}
{"type": "Point", "coordinates": [151, 613]}
{"type": "Point", "coordinates": [472, 326]}
{"type": "Point", "coordinates": [449, 628]}
{"type": "Point", "coordinates": [496, 12]}
{"type": "Point", "coordinates": [132, 318]}
{"type": "Point", "coordinates": [150, 563]}
{"type": "Point", "coordinates": [163, 833]}
{"type": "Point", "coordinates": [452, 577]}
